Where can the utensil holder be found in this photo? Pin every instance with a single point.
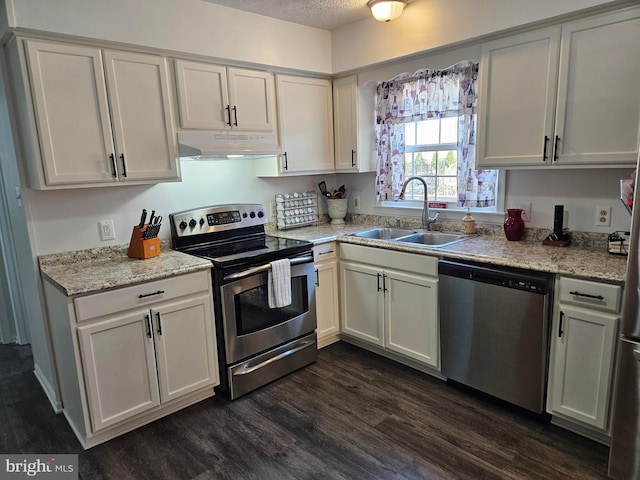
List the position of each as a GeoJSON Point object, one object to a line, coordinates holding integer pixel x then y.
{"type": "Point", "coordinates": [141, 248]}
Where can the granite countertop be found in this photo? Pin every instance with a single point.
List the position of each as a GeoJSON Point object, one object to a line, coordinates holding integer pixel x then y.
{"type": "Point", "coordinates": [588, 263]}
{"type": "Point", "coordinates": [97, 269]}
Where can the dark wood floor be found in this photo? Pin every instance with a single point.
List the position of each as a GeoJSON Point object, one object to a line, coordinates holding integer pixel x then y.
{"type": "Point", "coordinates": [352, 415]}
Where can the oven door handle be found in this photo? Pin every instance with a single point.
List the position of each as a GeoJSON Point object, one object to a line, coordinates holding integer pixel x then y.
{"type": "Point", "coordinates": [263, 268]}
{"type": "Point", "coordinates": [253, 368]}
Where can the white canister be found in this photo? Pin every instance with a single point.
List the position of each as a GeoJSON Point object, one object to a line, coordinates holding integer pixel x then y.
{"type": "Point", "coordinates": [337, 209]}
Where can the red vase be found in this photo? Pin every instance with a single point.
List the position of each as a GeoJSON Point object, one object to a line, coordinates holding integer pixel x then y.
{"type": "Point", "coordinates": [513, 224]}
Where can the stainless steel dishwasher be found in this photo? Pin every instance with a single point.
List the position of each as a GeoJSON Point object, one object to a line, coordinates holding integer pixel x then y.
{"type": "Point", "coordinates": [494, 325]}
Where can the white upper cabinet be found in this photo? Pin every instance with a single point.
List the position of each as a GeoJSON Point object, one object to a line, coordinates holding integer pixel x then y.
{"type": "Point", "coordinates": [141, 117]}
{"type": "Point", "coordinates": [345, 123]}
{"type": "Point", "coordinates": [353, 125]}
{"type": "Point", "coordinates": [101, 117]}
{"type": "Point", "coordinates": [305, 119]}
{"type": "Point", "coordinates": [562, 96]}
{"type": "Point", "coordinates": [213, 97]}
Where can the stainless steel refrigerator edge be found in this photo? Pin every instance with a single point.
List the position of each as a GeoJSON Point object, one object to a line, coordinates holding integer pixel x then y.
{"type": "Point", "coordinates": [624, 458]}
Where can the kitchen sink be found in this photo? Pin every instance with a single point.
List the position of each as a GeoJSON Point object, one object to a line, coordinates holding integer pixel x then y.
{"type": "Point", "coordinates": [432, 239]}
{"type": "Point", "coordinates": [385, 233]}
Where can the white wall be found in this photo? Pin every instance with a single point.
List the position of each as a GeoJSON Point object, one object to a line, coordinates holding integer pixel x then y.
{"type": "Point", "coordinates": [580, 191]}
{"type": "Point", "coordinates": [66, 220]}
{"type": "Point", "coordinates": [191, 26]}
{"type": "Point", "coordinates": [430, 24]}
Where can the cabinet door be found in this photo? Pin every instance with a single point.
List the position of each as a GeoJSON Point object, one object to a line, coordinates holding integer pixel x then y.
{"type": "Point", "coordinates": [141, 113]}
{"type": "Point", "coordinates": [71, 112]}
{"type": "Point", "coordinates": [185, 347]}
{"type": "Point", "coordinates": [411, 317]}
{"type": "Point", "coordinates": [362, 302]}
{"type": "Point", "coordinates": [582, 364]}
{"type": "Point", "coordinates": [202, 95]}
{"type": "Point", "coordinates": [306, 124]}
{"type": "Point", "coordinates": [327, 302]}
{"type": "Point", "coordinates": [518, 80]}
{"type": "Point", "coordinates": [345, 126]}
{"type": "Point", "coordinates": [598, 113]}
{"type": "Point", "coordinates": [252, 100]}
{"type": "Point", "coordinates": [119, 368]}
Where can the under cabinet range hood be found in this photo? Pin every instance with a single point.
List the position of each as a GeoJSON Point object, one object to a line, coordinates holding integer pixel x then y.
{"type": "Point", "coordinates": [223, 144]}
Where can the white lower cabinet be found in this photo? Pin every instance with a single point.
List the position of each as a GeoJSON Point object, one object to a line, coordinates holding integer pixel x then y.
{"type": "Point", "coordinates": [583, 340]}
{"type": "Point", "coordinates": [139, 352]}
{"type": "Point", "coordinates": [389, 300]}
{"type": "Point", "coordinates": [327, 303]}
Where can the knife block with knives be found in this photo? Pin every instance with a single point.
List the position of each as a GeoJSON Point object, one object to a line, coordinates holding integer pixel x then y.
{"type": "Point", "coordinates": [144, 238]}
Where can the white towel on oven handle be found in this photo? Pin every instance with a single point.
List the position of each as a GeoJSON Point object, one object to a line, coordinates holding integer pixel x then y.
{"type": "Point", "coordinates": [279, 283]}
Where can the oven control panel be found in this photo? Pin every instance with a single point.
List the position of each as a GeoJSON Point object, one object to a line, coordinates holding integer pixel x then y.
{"type": "Point", "coordinates": [217, 218]}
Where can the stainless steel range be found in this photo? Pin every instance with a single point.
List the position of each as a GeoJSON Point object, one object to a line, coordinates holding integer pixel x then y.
{"type": "Point", "coordinates": [256, 344]}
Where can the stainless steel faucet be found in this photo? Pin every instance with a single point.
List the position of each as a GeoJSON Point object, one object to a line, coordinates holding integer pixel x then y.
{"type": "Point", "coordinates": [427, 220]}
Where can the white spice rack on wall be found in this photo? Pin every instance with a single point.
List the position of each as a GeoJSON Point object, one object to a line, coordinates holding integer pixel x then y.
{"type": "Point", "coordinates": [297, 209]}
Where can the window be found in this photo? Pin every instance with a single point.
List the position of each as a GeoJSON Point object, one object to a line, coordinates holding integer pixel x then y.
{"type": "Point", "coordinates": [425, 126]}
{"type": "Point", "coordinates": [431, 152]}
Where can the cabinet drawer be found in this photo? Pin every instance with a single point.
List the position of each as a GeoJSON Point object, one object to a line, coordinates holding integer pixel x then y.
{"type": "Point", "coordinates": [590, 294]}
{"type": "Point", "coordinates": [325, 251]}
{"type": "Point", "coordinates": [145, 294]}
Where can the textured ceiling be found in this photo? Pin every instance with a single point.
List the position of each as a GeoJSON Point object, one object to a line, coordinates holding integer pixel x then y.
{"type": "Point", "coordinates": [325, 14]}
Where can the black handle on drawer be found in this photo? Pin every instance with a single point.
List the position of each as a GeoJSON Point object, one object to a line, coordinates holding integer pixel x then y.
{"type": "Point", "coordinates": [317, 278]}
{"type": "Point", "coordinates": [560, 331]}
{"type": "Point", "coordinates": [144, 295]}
{"type": "Point", "coordinates": [384, 283]}
{"type": "Point", "coordinates": [159, 323]}
{"type": "Point", "coordinates": [586, 295]}
{"type": "Point", "coordinates": [379, 275]}
{"type": "Point", "coordinates": [148, 320]}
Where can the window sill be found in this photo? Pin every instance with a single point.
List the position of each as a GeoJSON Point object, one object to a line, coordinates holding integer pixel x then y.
{"type": "Point", "coordinates": [414, 209]}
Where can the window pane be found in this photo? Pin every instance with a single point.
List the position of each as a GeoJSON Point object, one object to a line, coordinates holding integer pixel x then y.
{"type": "Point", "coordinates": [447, 189]}
{"type": "Point", "coordinates": [428, 132]}
{"type": "Point", "coordinates": [448, 162]}
{"type": "Point", "coordinates": [424, 163]}
{"type": "Point", "coordinates": [410, 133]}
{"type": "Point", "coordinates": [449, 133]}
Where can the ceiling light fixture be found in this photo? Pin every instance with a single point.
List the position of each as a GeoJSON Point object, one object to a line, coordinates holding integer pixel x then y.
{"type": "Point", "coordinates": [386, 10]}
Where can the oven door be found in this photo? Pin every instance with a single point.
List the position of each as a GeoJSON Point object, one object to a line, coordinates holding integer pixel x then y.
{"type": "Point", "coordinates": [250, 326]}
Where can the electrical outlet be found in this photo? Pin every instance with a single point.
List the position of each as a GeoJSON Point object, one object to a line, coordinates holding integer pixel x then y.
{"type": "Point", "coordinates": [526, 211]}
{"type": "Point", "coordinates": [107, 230]}
{"type": "Point", "coordinates": [603, 216]}
{"type": "Point", "coordinates": [356, 203]}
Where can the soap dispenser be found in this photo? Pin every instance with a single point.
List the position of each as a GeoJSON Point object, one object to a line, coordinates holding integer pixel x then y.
{"type": "Point", "coordinates": [469, 224]}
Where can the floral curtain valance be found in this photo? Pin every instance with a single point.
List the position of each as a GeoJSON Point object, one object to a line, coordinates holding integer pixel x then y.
{"type": "Point", "coordinates": [424, 95]}
{"type": "Point", "coordinates": [427, 94]}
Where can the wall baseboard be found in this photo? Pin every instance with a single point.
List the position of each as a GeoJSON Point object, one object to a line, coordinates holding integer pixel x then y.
{"type": "Point", "coordinates": [49, 391]}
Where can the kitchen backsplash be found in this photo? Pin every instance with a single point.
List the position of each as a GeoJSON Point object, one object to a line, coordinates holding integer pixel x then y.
{"type": "Point", "coordinates": [536, 235]}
